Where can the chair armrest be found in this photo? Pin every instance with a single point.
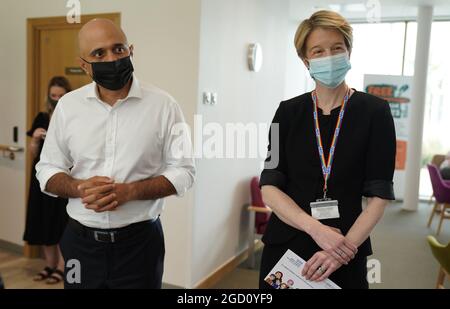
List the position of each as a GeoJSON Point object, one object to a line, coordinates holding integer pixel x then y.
{"type": "Point", "coordinates": [265, 210]}
{"type": "Point", "coordinates": [446, 184]}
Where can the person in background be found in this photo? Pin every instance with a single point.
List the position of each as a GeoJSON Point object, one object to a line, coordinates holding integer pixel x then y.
{"type": "Point", "coordinates": [46, 216]}
{"type": "Point", "coordinates": [270, 279]}
{"type": "Point", "coordinates": [445, 167]}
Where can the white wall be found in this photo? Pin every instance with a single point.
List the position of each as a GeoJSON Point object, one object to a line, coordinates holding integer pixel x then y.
{"type": "Point", "coordinates": [166, 38]}
{"type": "Point", "coordinates": [298, 80]}
{"type": "Point", "coordinates": [227, 27]}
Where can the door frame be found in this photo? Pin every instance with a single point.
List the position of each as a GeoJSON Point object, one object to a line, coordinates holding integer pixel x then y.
{"type": "Point", "coordinates": [34, 28]}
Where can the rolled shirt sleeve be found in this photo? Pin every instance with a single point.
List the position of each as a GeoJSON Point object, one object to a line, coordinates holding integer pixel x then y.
{"type": "Point", "coordinates": [178, 154]}
{"type": "Point", "coordinates": [55, 156]}
{"type": "Point", "coordinates": [380, 160]}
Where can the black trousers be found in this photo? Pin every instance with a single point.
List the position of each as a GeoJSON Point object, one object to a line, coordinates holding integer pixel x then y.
{"type": "Point", "coordinates": [351, 276]}
{"type": "Point", "coordinates": [133, 263]}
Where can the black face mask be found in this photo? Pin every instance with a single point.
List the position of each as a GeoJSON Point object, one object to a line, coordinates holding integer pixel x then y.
{"type": "Point", "coordinates": [52, 103]}
{"type": "Point", "coordinates": [113, 75]}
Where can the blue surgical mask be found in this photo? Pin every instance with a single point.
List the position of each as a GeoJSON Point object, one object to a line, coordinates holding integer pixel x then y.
{"type": "Point", "coordinates": [330, 71]}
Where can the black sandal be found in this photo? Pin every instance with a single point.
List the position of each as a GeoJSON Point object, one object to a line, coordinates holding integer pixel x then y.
{"type": "Point", "coordinates": [56, 277]}
{"type": "Point", "coordinates": [44, 274]}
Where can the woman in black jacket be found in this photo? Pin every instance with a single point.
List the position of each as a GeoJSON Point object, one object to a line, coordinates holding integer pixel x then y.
{"type": "Point", "coordinates": [334, 146]}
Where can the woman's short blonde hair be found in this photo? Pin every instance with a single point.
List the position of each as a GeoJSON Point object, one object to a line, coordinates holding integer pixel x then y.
{"type": "Point", "coordinates": [322, 19]}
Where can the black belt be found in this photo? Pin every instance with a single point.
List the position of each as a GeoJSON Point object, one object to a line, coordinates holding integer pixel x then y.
{"type": "Point", "coordinates": [109, 235]}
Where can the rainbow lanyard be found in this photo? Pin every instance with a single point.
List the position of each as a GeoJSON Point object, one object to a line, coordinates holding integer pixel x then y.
{"type": "Point", "coordinates": [326, 165]}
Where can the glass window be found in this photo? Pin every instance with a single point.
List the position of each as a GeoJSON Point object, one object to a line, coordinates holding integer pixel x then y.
{"type": "Point", "coordinates": [377, 49]}
{"type": "Point", "coordinates": [437, 108]}
{"type": "Point", "coordinates": [410, 48]}
{"type": "Point", "coordinates": [386, 48]}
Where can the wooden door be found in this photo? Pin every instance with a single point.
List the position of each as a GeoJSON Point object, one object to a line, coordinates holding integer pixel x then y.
{"type": "Point", "coordinates": [52, 51]}
{"type": "Point", "coordinates": [57, 57]}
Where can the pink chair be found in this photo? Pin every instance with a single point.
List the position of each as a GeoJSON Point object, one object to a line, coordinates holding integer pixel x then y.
{"type": "Point", "coordinates": [437, 160]}
{"type": "Point", "coordinates": [259, 215]}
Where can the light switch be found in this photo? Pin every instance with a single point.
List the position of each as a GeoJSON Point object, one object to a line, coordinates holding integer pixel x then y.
{"type": "Point", "coordinates": [214, 98]}
{"type": "Point", "coordinates": [207, 98]}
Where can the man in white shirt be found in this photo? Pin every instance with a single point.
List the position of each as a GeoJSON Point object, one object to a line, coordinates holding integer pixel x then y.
{"type": "Point", "coordinates": [113, 149]}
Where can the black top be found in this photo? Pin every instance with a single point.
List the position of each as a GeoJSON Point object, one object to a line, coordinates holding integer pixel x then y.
{"type": "Point", "coordinates": [41, 121]}
{"type": "Point", "coordinates": [363, 165]}
{"type": "Point", "coordinates": [46, 215]}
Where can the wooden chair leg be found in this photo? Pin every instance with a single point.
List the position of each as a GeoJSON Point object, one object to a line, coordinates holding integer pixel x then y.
{"type": "Point", "coordinates": [440, 279]}
{"type": "Point", "coordinates": [440, 221]}
{"type": "Point", "coordinates": [251, 241]}
{"type": "Point", "coordinates": [432, 213]}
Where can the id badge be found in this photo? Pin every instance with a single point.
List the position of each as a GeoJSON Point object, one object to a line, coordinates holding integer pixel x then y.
{"type": "Point", "coordinates": [325, 209]}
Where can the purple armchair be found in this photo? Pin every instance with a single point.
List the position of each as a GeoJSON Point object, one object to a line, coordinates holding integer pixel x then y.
{"type": "Point", "coordinates": [259, 215]}
{"type": "Point", "coordinates": [441, 192]}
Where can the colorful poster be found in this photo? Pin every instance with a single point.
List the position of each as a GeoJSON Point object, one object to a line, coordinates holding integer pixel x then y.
{"type": "Point", "coordinates": [397, 90]}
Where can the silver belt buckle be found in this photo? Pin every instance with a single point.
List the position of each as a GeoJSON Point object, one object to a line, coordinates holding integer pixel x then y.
{"type": "Point", "coordinates": [111, 235]}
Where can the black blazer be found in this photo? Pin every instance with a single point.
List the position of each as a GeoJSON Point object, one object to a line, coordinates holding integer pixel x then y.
{"type": "Point", "coordinates": [364, 162]}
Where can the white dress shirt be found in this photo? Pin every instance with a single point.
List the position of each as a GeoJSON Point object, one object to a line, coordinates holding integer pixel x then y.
{"type": "Point", "coordinates": [130, 141]}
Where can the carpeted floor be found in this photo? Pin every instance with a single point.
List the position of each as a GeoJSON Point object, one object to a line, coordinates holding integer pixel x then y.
{"type": "Point", "coordinates": [399, 244]}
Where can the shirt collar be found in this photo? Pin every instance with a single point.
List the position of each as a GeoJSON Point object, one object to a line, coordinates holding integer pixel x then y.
{"type": "Point", "coordinates": [135, 90]}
